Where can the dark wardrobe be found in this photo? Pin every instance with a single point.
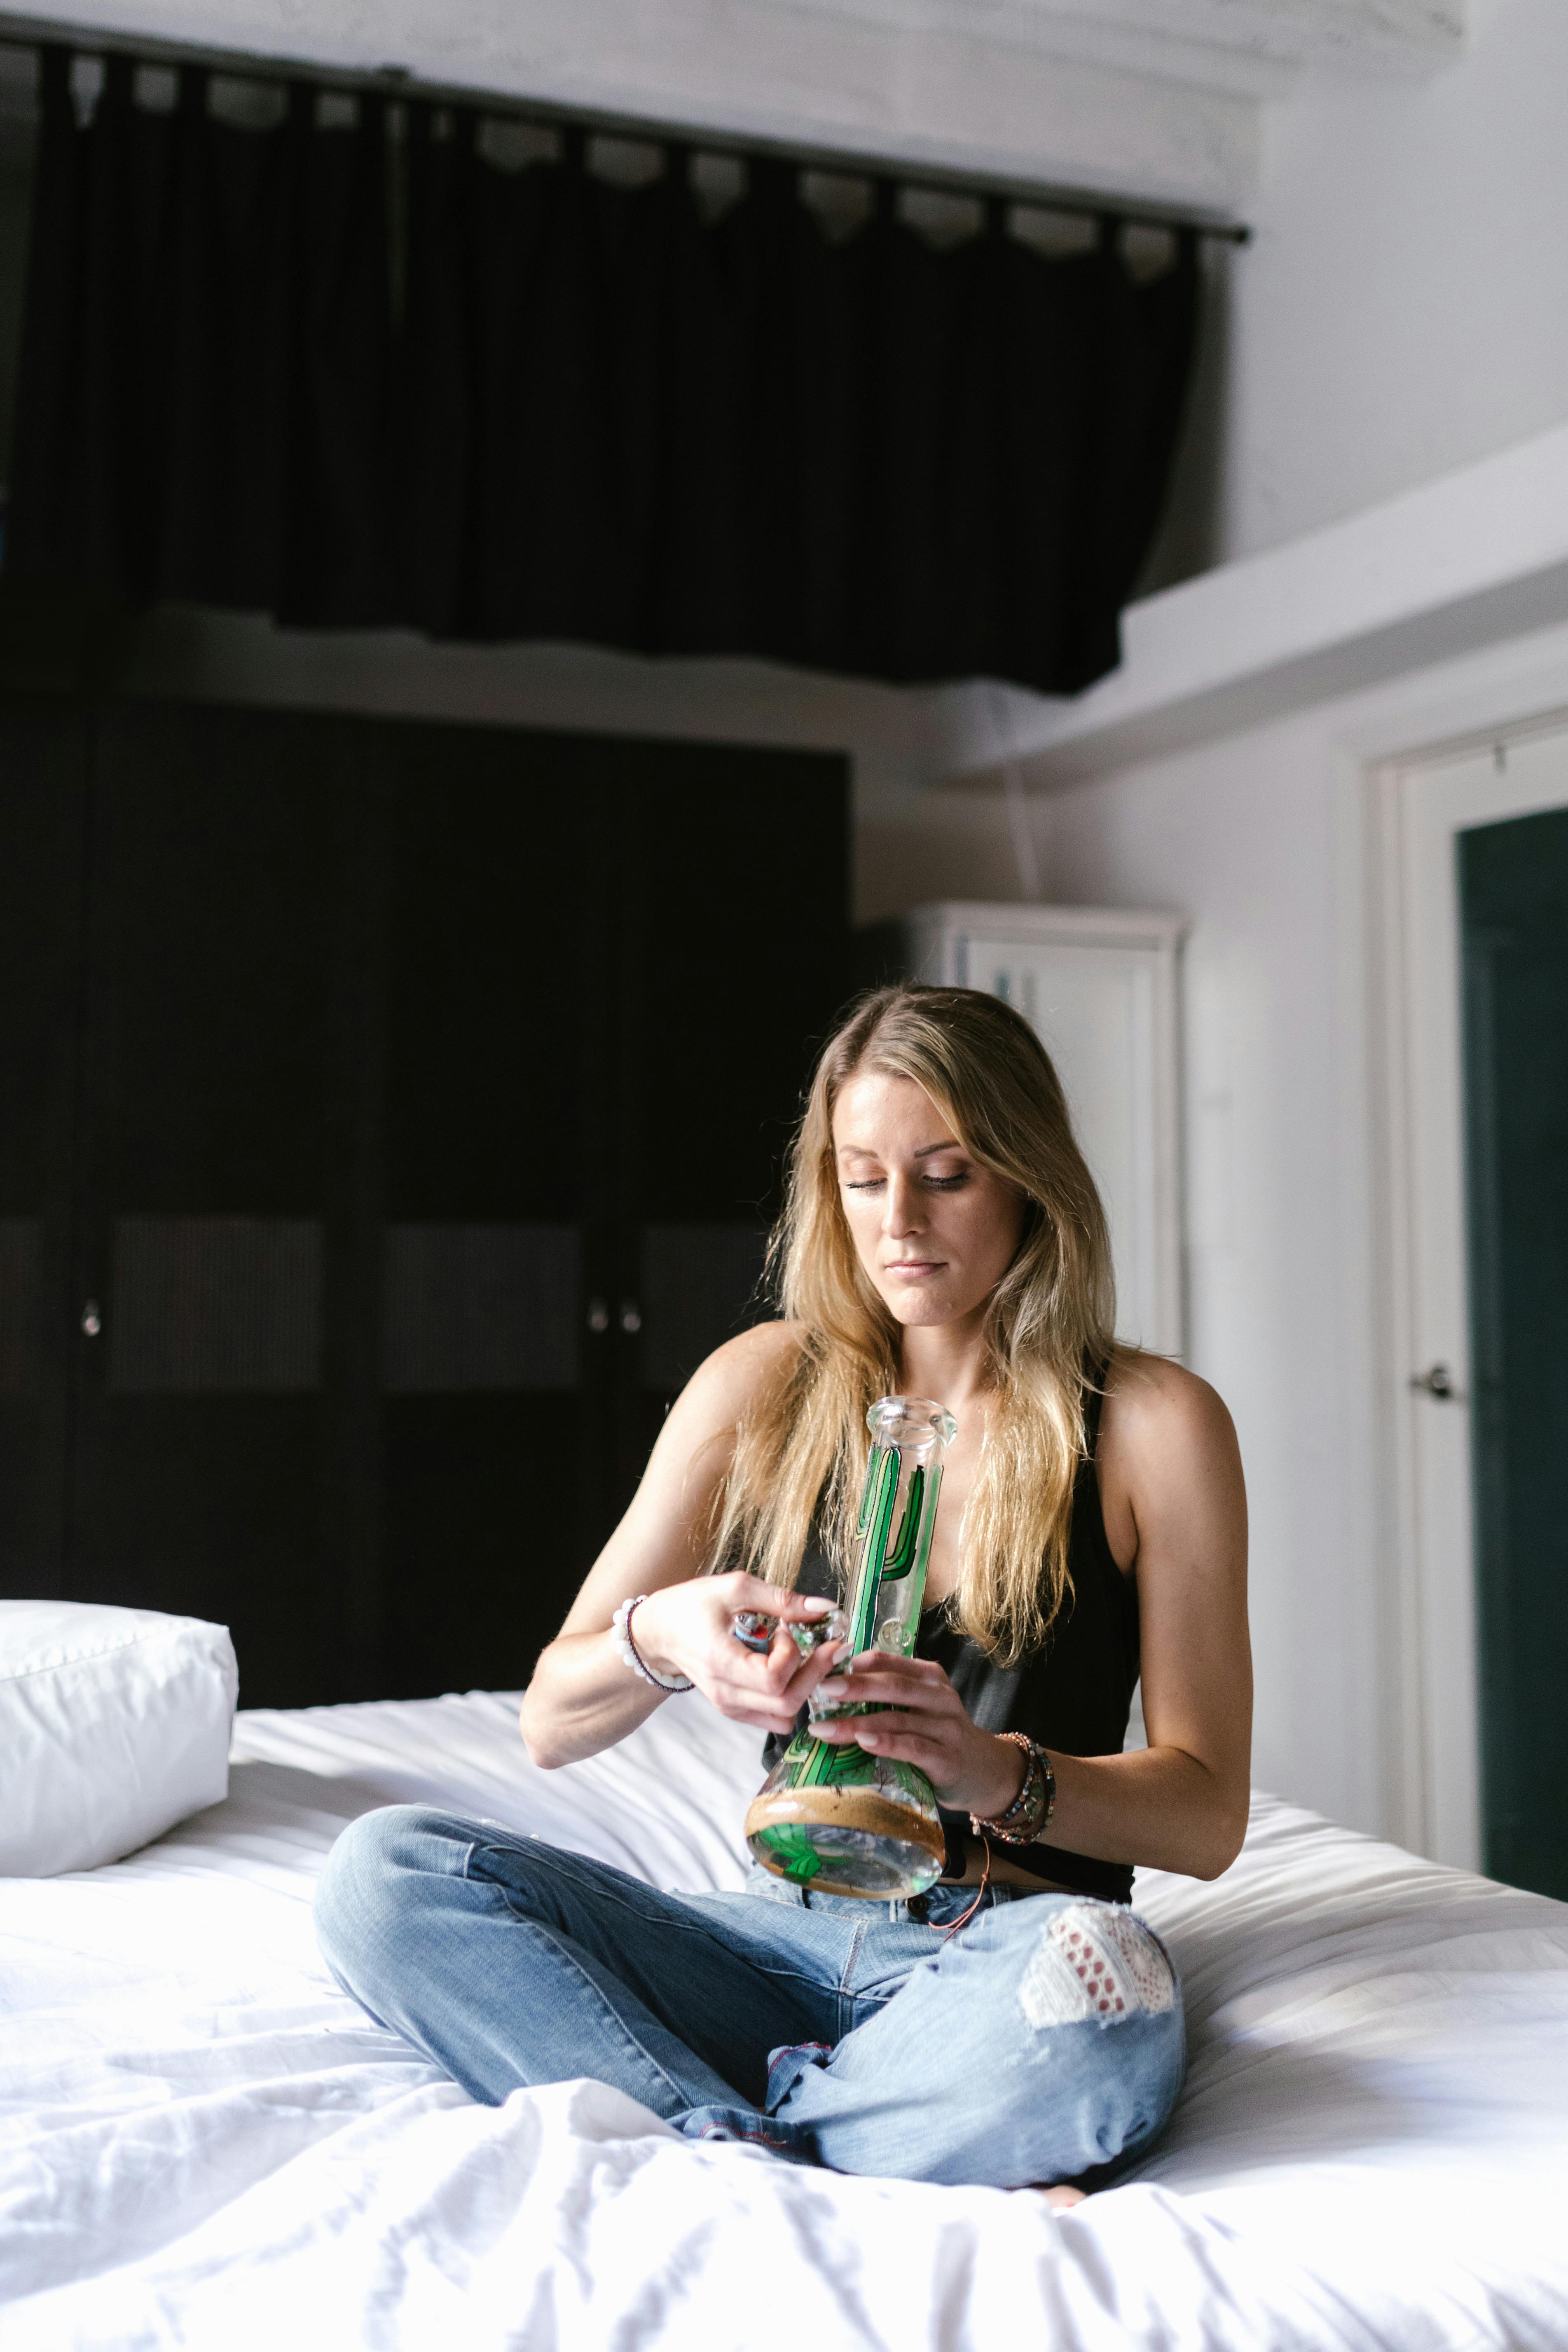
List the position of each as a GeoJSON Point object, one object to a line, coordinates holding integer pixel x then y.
{"type": "Point", "coordinates": [391, 1115]}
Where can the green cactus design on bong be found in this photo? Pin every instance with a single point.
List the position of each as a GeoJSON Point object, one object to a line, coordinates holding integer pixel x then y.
{"type": "Point", "coordinates": [882, 1566]}
{"type": "Point", "coordinates": [876, 1521]}
{"type": "Point", "coordinates": [835, 1815]}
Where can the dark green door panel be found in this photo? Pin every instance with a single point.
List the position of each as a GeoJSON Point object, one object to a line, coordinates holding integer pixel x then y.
{"type": "Point", "coordinates": [1514, 896]}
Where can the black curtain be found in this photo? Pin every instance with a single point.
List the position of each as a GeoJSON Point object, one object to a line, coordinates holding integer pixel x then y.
{"type": "Point", "coordinates": [354, 379]}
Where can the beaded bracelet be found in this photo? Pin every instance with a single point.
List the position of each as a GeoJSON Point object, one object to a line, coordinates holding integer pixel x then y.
{"type": "Point", "coordinates": [1029, 1815]}
{"type": "Point", "coordinates": [620, 1626]}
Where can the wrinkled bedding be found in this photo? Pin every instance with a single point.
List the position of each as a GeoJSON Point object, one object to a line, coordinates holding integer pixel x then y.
{"type": "Point", "coordinates": [203, 2143]}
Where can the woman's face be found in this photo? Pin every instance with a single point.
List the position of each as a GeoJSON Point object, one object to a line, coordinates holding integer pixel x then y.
{"type": "Point", "coordinates": [934, 1231]}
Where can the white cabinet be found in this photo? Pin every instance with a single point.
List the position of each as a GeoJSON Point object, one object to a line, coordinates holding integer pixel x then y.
{"type": "Point", "coordinates": [1098, 985]}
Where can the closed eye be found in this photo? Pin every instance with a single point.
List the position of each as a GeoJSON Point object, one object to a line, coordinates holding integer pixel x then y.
{"type": "Point", "coordinates": [931, 1184]}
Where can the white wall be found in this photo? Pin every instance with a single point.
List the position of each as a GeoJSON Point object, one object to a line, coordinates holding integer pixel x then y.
{"type": "Point", "coordinates": [1404, 307]}
{"type": "Point", "coordinates": [1259, 838]}
{"type": "Point", "coordinates": [1242, 837]}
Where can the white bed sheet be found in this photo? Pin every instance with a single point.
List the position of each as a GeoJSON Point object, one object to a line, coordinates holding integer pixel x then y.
{"type": "Point", "coordinates": [204, 2144]}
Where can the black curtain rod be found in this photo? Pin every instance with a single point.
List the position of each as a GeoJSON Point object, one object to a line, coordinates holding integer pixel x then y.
{"type": "Point", "coordinates": [399, 82]}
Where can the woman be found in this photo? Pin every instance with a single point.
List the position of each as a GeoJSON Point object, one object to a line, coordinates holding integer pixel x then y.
{"type": "Point", "coordinates": [1017, 2025]}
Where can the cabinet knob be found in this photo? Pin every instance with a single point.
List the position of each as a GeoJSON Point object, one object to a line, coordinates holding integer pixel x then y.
{"type": "Point", "coordinates": [631, 1316]}
{"type": "Point", "coordinates": [598, 1314]}
{"type": "Point", "coordinates": [1437, 1381]}
{"type": "Point", "coordinates": [91, 1320]}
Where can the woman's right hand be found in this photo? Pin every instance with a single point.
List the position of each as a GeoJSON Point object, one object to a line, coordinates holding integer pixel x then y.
{"type": "Point", "coordinates": [688, 1629]}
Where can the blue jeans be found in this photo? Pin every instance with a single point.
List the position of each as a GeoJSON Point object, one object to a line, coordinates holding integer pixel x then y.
{"type": "Point", "coordinates": [1041, 2040]}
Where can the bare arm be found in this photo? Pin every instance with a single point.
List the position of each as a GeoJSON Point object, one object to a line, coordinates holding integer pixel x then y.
{"type": "Point", "coordinates": [1175, 1503]}
{"type": "Point", "coordinates": [584, 1696]}
{"type": "Point", "coordinates": [1175, 1511]}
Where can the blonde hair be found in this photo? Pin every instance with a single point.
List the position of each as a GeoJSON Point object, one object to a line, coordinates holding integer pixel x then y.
{"type": "Point", "coordinates": [800, 1451]}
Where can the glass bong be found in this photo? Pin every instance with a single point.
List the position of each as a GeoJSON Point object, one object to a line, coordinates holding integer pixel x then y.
{"type": "Point", "coordinates": [836, 1819]}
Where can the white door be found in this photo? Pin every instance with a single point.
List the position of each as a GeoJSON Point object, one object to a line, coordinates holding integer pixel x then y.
{"type": "Point", "coordinates": [1427, 803]}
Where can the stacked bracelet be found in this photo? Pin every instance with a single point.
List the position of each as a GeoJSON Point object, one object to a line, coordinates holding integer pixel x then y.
{"type": "Point", "coordinates": [1029, 1815]}
{"type": "Point", "coordinates": [621, 1626]}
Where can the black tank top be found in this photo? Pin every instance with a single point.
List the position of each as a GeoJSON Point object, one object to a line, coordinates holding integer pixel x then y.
{"type": "Point", "coordinates": [1073, 1694]}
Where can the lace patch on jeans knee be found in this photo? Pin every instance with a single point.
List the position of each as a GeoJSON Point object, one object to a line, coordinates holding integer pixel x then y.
{"type": "Point", "coordinates": [1095, 1959]}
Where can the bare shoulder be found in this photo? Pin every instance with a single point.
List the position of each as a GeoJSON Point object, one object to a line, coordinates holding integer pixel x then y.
{"type": "Point", "coordinates": [746, 1367]}
{"type": "Point", "coordinates": [727, 1383]}
{"type": "Point", "coordinates": [1168, 1461]}
{"type": "Point", "coordinates": [1153, 1403]}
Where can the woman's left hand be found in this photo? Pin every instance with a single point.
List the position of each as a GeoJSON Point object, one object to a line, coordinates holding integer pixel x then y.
{"type": "Point", "coordinates": [972, 1770]}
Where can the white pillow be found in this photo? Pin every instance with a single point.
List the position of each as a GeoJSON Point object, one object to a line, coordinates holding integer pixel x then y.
{"type": "Point", "coordinates": [114, 1725]}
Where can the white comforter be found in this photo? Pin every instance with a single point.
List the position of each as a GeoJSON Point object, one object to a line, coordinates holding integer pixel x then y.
{"type": "Point", "coordinates": [202, 2144]}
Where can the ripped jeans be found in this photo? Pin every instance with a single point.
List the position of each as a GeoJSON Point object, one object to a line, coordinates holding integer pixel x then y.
{"type": "Point", "coordinates": [1042, 2039]}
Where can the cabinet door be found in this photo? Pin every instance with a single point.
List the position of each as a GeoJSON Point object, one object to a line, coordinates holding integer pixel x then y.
{"type": "Point", "coordinates": [43, 841]}
{"type": "Point", "coordinates": [593, 1066]}
{"type": "Point", "coordinates": [735, 941]}
{"type": "Point", "coordinates": [501, 877]}
{"type": "Point", "coordinates": [225, 1092]}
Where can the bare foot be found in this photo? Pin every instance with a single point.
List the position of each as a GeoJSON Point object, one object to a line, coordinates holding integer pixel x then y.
{"type": "Point", "coordinates": [1062, 2197]}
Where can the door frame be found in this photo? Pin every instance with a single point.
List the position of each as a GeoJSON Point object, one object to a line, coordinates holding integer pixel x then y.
{"type": "Point", "coordinates": [1432, 1752]}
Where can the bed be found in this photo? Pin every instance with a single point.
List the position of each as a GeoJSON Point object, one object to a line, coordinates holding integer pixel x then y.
{"type": "Point", "coordinates": [204, 2144]}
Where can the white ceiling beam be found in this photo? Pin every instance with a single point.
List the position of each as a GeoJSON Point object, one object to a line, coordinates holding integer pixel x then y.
{"type": "Point", "coordinates": [1258, 49]}
{"type": "Point", "coordinates": [1155, 99]}
{"type": "Point", "coordinates": [942, 93]}
{"type": "Point", "coordinates": [1355, 36]}
{"type": "Point", "coordinates": [1441, 571]}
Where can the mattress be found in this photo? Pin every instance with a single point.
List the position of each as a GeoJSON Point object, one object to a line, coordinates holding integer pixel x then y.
{"type": "Point", "coordinates": [203, 2143]}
